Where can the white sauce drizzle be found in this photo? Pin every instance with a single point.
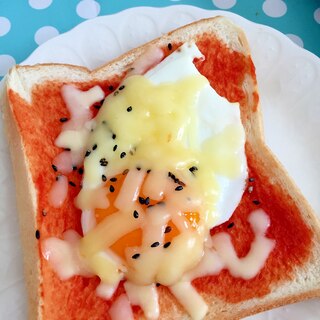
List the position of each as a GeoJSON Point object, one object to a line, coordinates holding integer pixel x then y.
{"type": "Point", "coordinates": [63, 162]}
{"type": "Point", "coordinates": [58, 192]}
{"type": "Point", "coordinates": [74, 136]}
{"type": "Point", "coordinates": [151, 57]}
{"type": "Point", "coordinates": [78, 103]}
{"type": "Point", "coordinates": [155, 184]}
{"type": "Point", "coordinates": [190, 299]}
{"type": "Point", "coordinates": [121, 309]}
{"type": "Point", "coordinates": [144, 296]}
{"type": "Point", "coordinates": [250, 265]}
{"type": "Point", "coordinates": [106, 291]}
{"type": "Point", "coordinates": [130, 189]}
{"type": "Point", "coordinates": [64, 257]}
{"type": "Point", "coordinates": [222, 255]}
{"type": "Point", "coordinates": [88, 221]}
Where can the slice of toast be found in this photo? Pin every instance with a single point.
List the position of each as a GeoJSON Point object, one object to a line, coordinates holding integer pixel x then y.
{"type": "Point", "coordinates": [32, 111]}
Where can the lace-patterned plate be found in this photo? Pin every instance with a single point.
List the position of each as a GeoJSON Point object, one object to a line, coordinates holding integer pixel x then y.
{"type": "Point", "coordinates": [288, 78]}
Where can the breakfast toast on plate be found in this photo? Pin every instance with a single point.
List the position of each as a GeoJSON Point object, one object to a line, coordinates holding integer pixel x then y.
{"type": "Point", "coordinates": [145, 188]}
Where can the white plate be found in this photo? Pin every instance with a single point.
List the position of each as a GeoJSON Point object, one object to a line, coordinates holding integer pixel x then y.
{"type": "Point", "coordinates": [288, 78]}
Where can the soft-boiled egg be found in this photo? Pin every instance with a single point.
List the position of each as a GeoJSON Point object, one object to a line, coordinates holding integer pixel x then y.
{"type": "Point", "coordinates": [172, 120]}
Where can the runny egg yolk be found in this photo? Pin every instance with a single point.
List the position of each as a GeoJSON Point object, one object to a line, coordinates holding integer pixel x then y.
{"type": "Point", "coordinates": [134, 238]}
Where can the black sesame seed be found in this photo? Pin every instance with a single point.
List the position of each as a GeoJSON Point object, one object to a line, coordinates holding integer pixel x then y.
{"type": "Point", "coordinates": [169, 46]}
{"type": "Point", "coordinates": [168, 229]}
{"type": "Point", "coordinates": [54, 168]}
{"type": "Point", "coordinates": [122, 155]}
{"type": "Point", "coordinates": [155, 244]}
{"type": "Point", "coordinates": [251, 179]}
{"type": "Point", "coordinates": [72, 184]}
{"type": "Point", "coordinates": [58, 177]}
{"type": "Point", "coordinates": [103, 162]}
{"type": "Point", "coordinates": [113, 179]}
{"type": "Point", "coordinates": [256, 202]}
{"type": "Point", "coordinates": [138, 168]}
{"type": "Point", "coordinates": [142, 200]}
{"type": "Point", "coordinates": [111, 188]}
{"type": "Point", "coordinates": [111, 88]}
{"type": "Point", "coordinates": [129, 109]}
{"type": "Point", "coordinates": [179, 188]}
{"type": "Point", "coordinates": [44, 213]}
{"type": "Point", "coordinates": [63, 119]}
{"type": "Point", "coordinates": [121, 87]}
{"type": "Point", "coordinates": [172, 176]}
{"type": "Point", "coordinates": [104, 178]}
{"type": "Point", "coordinates": [115, 147]}
{"type": "Point", "coordinates": [192, 169]}
{"type": "Point", "coordinates": [74, 168]}
{"type": "Point", "coordinates": [67, 149]}
{"type": "Point", "coordinates": [167, 244]}
{"type": "Point", "coordinates": [80, 170]}
{"type": "Point", "coordinates": [114, 136]}
{"type": "Point", "coordinates": [87, 153]}
{"type": "Point", "coordinates": [136, 214]}
{"type": "Point", "coordinates": [230, 225]}
{"type": "Point", "coordinates": [125, 171]}
{"type": "Point", "coordinates": [158, 284]}
{"type": "Point", "coordinates": [94, 147]}
{"type": "Point", "coordinates": [136, 256]}
{"type": "Point", "coordinates": [148, 171]}
{"type": "Point", "coordinates": [37, 234]}
{"type": "Point", "coordinates": [147, 201]}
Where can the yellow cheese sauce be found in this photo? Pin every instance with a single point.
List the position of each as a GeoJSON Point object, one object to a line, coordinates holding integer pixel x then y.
{"type": "Point", "coordinates": [155, 127]}
{"type": "Point", "coordinates": [152, 128]}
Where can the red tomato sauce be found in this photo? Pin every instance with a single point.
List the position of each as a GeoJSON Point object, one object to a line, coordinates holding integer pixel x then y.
{"type": "Point", "coordinates": [39, 125]}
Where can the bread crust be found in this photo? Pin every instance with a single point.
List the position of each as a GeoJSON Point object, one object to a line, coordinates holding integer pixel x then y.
{"type": "Point", "coordinates": [26, 204]}
{"type": "Point", "coordinates": [22, 79]}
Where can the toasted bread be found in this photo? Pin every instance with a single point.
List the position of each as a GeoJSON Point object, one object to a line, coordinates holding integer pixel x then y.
{"type": "Point", "coordinates": [32, 111]}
